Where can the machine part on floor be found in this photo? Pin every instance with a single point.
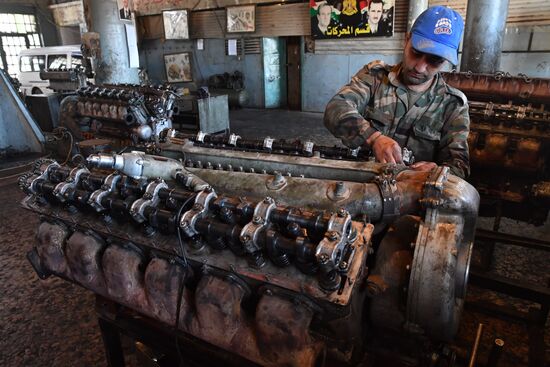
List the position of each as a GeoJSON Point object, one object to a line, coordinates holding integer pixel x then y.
{"type": "Point", "coordinates": [198, 112]}
{"type": "Point", "coordinates": [19, 132]}
{"type": "Point", "coordinates": [128, 114]}
{"type": "Point", "coordinates": [495, 353]}
{"type": "Point", "coordinates": [232, 85]}
{"type": "Point", "coordinates": [509, 142]}
{"type": "Point", "coordinates": [275, 272]}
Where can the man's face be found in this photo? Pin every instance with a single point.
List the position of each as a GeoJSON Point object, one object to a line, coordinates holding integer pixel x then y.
{"type": "Point", "coordinates": [324, 16]}
{"type": "Point", "coordinates": [375, 13]}
{"type": "Point", "coordinates": [419, 67]}
{"type": "Point", "coordinates": [125, 3]}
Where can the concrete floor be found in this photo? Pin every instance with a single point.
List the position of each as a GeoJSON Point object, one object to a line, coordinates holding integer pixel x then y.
{"type": "Point", "coordinates": [52, 322]}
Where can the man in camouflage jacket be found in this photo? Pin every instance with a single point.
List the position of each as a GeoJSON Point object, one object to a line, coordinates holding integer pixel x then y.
{"type": "Point", "coordinates": [409, 105]}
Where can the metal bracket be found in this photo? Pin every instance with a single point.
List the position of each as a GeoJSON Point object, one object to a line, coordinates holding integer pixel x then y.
{"type": "Point", "coordinates": [250, 232]}
{"type": "Point", "coordinates": [200, 137]}
{"type": "Point", "coordinates": [433, 189]}
{"type": "Point", "coordinates": [40, 173]}
{"type": "Point", "coordinates": [308, 147]}
{"type": "Point", "coordinates": [331, 247]}
{"type": "Point", "coordinates": [150, 198]}
{"type": "Point", "coordinates": [233, 139]}
{"type": "Point", "coordinates": [108, 186]}
{"type": "Point", "coordinates": [199, 210]}
{"type": "Point", "coordinates": [388, 188]}
{"type": "Point", "coordinates": [61, 189]}
{"type": "Point", "coordinates": [268, 143]}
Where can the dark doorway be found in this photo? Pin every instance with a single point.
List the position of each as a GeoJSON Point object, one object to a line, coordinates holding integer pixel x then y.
{"type": "Point", "coordinates": [293, 65]}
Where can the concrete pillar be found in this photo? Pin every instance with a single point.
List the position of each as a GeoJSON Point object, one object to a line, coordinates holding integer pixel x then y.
{"type": "Point", "coordinates": [102, 17]}
{"type": "Point", "coordinates": [483, 36]}
{"type": "Point", "coordinates": [416, 7]}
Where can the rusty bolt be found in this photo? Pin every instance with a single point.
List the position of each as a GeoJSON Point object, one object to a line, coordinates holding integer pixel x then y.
{"type": "Point", "coordinates": [341, 212]}
{"type": "Point", "coordinates": [197, 207]}
{"type": "Point", "coordinates": [184, 224]}
{"type": "Point", "coordinates": [245, 238]}
{"type": "Point", "coordinates": [257, 219]}
{"type": "Point", "coordinates": [268, 200]}
{"type": "Point", "coordinates": [333, 235]}
{"type": "Point", "coordinates": [343, 265]}
{"type": "Point", "coordinates": [323, 258]}
{"type": "Point", "coordinates": [339, 189]}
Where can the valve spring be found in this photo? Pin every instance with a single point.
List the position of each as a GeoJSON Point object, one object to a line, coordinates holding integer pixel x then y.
{"type": "Point", "coordinates": [281, 260]}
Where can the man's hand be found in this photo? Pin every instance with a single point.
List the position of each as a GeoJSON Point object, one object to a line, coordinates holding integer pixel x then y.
{"type": "Point", "coordinates": [386, 150]}
{"type": "Point", "coordinates": [423, 166]}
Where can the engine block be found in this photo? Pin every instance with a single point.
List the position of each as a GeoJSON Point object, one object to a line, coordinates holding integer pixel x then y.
{"type": "Point", "coordinates": [126, 114]}
{"type": "Point", "coordinates": [279, 259]}
{"type": "Point", "coordinates": [509, 142]}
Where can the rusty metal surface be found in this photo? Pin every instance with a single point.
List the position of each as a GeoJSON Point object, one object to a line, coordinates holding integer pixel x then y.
{"type": "Point", "coordinates": [500, 87]}
{"type": "Point", "coordinates": [276, 332]}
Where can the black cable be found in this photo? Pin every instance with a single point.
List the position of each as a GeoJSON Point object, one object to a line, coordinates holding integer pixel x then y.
{"type": "Point", "coordinates": [183, 256]}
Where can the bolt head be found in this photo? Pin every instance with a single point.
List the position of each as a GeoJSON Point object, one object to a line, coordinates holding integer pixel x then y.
{"type": "Point", "coordinates": [333, 235]}
{"type": "Point", "coordinates": [343, 265]}
{"type": "Point", "coordinates": [341, 212]}
{"type": "Point", "coordinates": [323, 258]}
{"type": "Point", "coordinates": [257, 219]}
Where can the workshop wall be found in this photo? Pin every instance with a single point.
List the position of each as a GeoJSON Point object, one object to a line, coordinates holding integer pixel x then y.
{"type": "Point", "coordinates": [205, 63]}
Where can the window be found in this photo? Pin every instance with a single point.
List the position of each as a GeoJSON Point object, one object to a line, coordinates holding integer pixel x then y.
{"type": "Point", "coordinates": [32, 63]}
{"type": "Point", "coordinates": [57, 62]}
{"type": "Point", "coordinates": [76, 61]}
{"type": "Point", "coordinates": [17, 32]}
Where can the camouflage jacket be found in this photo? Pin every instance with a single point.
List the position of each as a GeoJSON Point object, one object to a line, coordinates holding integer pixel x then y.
{"type": "Point", "coordinates": [435, 128]}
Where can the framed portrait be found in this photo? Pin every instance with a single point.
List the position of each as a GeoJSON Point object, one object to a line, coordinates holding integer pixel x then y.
{"type": "Point", "coordinates": [178, 67]}
{"type": "Point", "coordinates": [176, 25]}
{"type": "Point", "coordinates": [125, 10]}
{"type": "Point", "coordinates": [241, 18]}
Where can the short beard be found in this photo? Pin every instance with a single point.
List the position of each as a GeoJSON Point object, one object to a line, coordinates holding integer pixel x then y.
{"type": "Point", "coordinates": [413, 81]}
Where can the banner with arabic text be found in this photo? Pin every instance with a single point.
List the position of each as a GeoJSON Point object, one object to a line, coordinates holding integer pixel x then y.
{"type": "Point", "coordinates": [332, 19]}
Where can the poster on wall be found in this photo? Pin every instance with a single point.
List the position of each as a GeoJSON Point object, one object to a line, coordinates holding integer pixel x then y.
{"type": "Point", "coordinates": [176, 26]}
{"type": "Point", "coordinates": [333, 19]}
{"type": "Point", "coordinates": [178, 67]}
{"type": "Point", "coordinates": [241, 18]}
{"type": "Point", "coordinates": [125, 10]}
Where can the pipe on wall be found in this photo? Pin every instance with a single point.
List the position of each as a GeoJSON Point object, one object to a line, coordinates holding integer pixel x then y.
{"type": "Point", "coordinates": [113, 64]}
{"type": "Point", "coordinates": [485, 23]}
{"type": "Point", "coordinates": [415, 9]}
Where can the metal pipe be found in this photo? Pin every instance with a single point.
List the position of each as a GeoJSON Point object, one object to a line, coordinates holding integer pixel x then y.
{"type": "Point", "coordinates": [475, 348]}
{"type": "Point", "coordinates": [415, 9]}
{"type": "Point", "coordinates": [485, 23]}
{"type": "Point", "coordinates": [113, 61]}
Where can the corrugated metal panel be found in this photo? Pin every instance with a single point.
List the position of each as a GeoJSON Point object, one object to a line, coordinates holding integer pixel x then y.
{"type": "Point", "coordinates": [383, 45]}
{"type": "Point", "coordinates": [152, 7]}
{"type": "Point", "coordinates": [275, 20]}
{"type": "Point", "coordinates": [520, 12]}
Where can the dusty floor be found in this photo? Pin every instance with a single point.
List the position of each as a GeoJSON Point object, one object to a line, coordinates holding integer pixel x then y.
{"type": "Point", "coordinates": [52, 322]}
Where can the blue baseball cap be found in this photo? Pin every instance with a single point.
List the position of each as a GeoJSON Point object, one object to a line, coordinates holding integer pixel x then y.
{"type": "Point", "coordinates": [437, 31]}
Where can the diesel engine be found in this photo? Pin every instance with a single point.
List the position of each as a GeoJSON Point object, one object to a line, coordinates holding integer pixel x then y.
{"type": "Point", "coordinates": [282, 253]}
{"type": "Point", "coordinates": [122, 114]}
{"type": "Point", "coordinates": [509, 142]}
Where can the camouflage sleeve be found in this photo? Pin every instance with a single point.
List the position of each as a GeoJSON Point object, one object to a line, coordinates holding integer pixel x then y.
{"type": "Point", "coordinates": [342, 114]}
{"type": "Point", "coordinates": [453, 146]}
